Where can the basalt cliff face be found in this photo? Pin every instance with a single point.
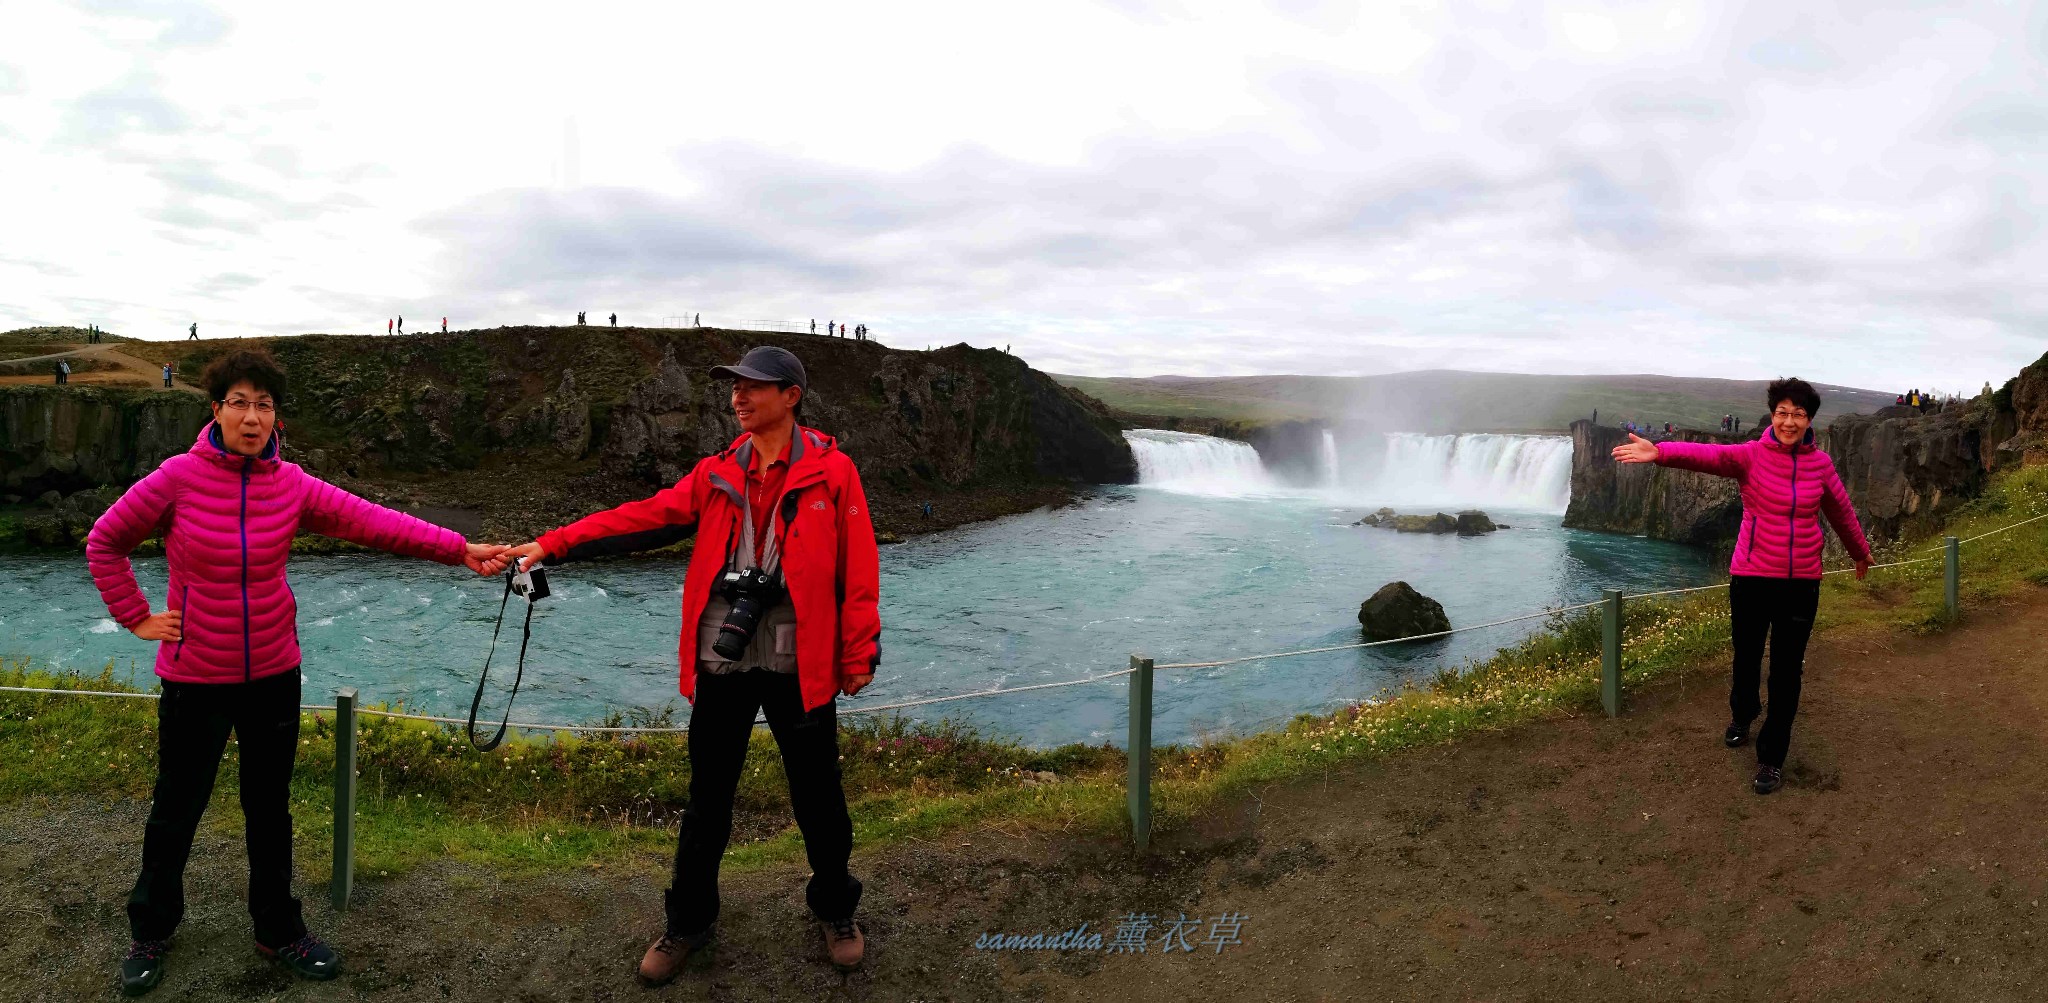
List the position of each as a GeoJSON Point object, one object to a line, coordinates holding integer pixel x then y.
{"type": "Point", "coordinates": [1646, 499]}
{"type": "Point", "coordinates": [1904, 470]}
{"type": "Point", "coordinates": [526, 428]}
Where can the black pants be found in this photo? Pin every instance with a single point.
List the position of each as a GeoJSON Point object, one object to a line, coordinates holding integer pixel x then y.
{"type": "Point", "coordinates": [193, 721]}
{"type": "Point", "coordinates": [721, 720]}
{"type": "Point", "coordinates": [1782, 608]}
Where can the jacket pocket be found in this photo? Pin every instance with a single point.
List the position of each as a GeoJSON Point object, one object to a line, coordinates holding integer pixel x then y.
{"type": "Point", "coordinates": [184, 621]}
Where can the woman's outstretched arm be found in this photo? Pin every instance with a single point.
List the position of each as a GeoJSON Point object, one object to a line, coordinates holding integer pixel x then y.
{"type": "Point", "coordinates": [330, 511]}
{"type": "Point", "coordinates": [1704, 457]}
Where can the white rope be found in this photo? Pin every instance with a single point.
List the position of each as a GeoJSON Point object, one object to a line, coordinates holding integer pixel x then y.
{"type": "Point", "coordinates": [1375, 644]}
{"type": "Point", "coordinates": [927, 701]}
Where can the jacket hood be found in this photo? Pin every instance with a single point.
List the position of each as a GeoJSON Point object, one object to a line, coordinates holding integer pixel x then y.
{"type": "Point", "coordinates": [210, 446]}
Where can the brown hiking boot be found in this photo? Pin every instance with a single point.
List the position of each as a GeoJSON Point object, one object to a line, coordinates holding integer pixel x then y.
{"type": "Point", "coordinates": [665, 958]}
{"type": "Point", "coordinates": [845, 943]}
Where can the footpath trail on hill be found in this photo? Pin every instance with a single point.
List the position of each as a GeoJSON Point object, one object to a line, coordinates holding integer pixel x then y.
{"type": "Point", "coordinates": [150, 372]}
{"type": "Point", "coordinates": [1583, 859]}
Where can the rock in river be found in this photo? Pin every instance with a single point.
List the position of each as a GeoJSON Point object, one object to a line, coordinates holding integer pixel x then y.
{"type": "Point", "coordinates": [1397, 610]}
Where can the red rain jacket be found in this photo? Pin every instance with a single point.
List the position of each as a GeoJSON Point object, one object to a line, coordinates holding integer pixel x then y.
{"type": "Point", "coordinates": [828, 553]}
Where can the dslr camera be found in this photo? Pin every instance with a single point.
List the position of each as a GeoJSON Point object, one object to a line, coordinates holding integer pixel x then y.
{"type": "Point", "coordinates": [752, 592]}
{"type": "Point", "coordinates": [529, 581]}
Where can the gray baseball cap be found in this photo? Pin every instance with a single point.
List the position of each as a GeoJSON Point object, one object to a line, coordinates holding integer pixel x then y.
{"type": "Point", "coordinates": [768, 363]}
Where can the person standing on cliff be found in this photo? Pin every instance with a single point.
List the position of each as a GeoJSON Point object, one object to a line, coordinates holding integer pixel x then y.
{"type": "Point", "coordinates": [228, 647]}
{"type": "Point", "coordinates": [167, 376]}
{"type": "Point", "coordinates": [1788, 486]}
{"type": "Point", "coordinates": [784, 502]}
{"type": "Point", "coordinates": [195, 332]}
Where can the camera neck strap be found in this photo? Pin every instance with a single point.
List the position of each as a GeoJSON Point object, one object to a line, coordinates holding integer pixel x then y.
{"type": "Point", "coordinates": [525, 634]}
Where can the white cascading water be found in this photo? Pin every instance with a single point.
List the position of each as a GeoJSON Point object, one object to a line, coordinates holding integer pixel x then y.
{"type": "Point", "coordinates": [1525, 472]}
{"type": "Point", "coordinates": [1198, 464]}
{"type": "Point", "coordinates": [1512, 471]}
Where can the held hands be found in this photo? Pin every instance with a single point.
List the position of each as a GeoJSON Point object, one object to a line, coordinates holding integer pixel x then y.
{"type": "Point", "coordinates": [532, 552]}
{"type": "Point", "coordinates": [484, 558]}
{"type": "Point", "coordinates": [1636, 450]}
{"type": "Point", "coordinates": [854, 684]}
{"type": "Point", "coordinates": [165, 626]}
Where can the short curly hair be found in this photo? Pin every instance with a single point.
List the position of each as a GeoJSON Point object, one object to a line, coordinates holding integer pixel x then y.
{"type": "Point", "coordinates": [1798, 391]}
{"type": "Point", "coordinates": [254, 365]}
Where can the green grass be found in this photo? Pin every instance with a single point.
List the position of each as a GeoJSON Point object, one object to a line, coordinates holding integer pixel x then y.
{"type": "Point", "coordinates": [549, 802]}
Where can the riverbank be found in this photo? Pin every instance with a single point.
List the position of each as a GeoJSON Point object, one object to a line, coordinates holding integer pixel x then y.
{"type": "Point", "coordinates": [1548, 851]}
{"type": "Point", "coordinates": [569, 802]}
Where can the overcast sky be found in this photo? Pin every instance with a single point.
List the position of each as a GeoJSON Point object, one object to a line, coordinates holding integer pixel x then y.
{"type": "Point", "coordinates": [1711, 189]}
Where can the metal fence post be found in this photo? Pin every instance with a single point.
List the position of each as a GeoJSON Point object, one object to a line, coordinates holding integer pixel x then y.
{"type": "Point", "coordinates": [1610, 651]}
{"type": "Point", "coordinates": [1138, 790]}
{"type": "Point", "coordinates": [1952, 558]}
{"type": "Point", "coordinates": [344, 797]}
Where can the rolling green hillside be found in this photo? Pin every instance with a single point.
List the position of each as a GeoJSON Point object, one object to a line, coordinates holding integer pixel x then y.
{"type": "Point", "coordinates": [1451, 401]}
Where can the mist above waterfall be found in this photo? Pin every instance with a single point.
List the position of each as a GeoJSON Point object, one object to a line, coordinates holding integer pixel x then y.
{"type": "Point", "coordinates": [1399, 469]}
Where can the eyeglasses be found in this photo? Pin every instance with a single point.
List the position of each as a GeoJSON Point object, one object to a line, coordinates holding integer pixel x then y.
{"type": "Point", "coordinates": [242, 404]}
{"type": "Point", "coordinates": [1799, 415]}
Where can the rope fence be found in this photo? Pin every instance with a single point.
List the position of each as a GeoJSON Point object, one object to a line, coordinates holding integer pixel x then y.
{"type": "Point", "coordinates": [1141, 671]}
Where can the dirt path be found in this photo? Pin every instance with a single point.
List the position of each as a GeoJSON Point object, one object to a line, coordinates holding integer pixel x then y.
{"type": "Point", "coordinates": [1583, 859]}
{"type": "Point", "coordinates": [152, 374]}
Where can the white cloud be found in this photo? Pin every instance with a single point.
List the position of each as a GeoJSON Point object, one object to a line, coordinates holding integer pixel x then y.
{"type": "Point", "coordinates": [1697, 188]}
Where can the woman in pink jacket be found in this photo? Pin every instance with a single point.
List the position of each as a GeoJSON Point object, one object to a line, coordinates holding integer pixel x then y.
{"type": "Point", "coordinates": [228, 646]}
{"type": "Point", "coordinates": [1774, 583]}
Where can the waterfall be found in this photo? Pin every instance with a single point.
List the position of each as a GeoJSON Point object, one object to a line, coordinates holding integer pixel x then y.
{"type": "Point", "coordinates": [1401, 469]}
{"type": "Point", "coordinates": [1197, 464]}
{"type": "Point", "coordinates": [1475, 469]}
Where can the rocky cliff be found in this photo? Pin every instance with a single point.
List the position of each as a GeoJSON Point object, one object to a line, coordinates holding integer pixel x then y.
{"type": "Point", "coordinates": [1646, 499]}
{"type": "Point", "coordinates": [529, 427]}
{"type": "Point", "coordinates": [68, 439]}
{"type": "Point", "coordinates": [1904, 470]}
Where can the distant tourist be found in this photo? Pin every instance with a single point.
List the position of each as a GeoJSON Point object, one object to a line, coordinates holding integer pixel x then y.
{"type": "Point", "coordinates": [615, 319]}
{"type": "Point", "coordinates": [829, 328]}
{"type": "Point", "coordinates": [814, 325]}
{"type": "Point", "coordinates": [401, 324]}
{"type": "Point", "coordinates": [698, 321]}
{"type": "Point", "coordinates": [195, 332]}
{"type": "Point", "coordinates": [1774, 589]}
{"type": "Point", "coordinates": [167, 376]}
{"type": "Point", "coordinates": [444, 325]}
{"type": "Point", "coordinates": [63, 371]}
{"type": "Point", "coordinates": [926, 512]}
{"type": "Point", "coordinates": [1596, 416]}
{"type": "Point", "coordinates": [387, 326]}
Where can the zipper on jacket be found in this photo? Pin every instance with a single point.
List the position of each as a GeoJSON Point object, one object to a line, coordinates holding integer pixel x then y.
{"type": "Point", "coordinates": [248, 657]}
{"type": "Point", "coordinates": [1749, 535]}
{"type": "Point", "coordinates": [184, 606]}
{"type": "Point", "coordinates": [1792, 515]}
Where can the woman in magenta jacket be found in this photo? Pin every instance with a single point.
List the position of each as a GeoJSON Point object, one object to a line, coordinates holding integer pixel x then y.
{"type": "Point", "coordinates": [228, 645]}
{"type": "Point", "coordinates": [1774, 583]}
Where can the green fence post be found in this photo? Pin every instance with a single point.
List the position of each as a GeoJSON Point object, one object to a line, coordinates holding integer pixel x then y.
{"type": "Point", "coordinates": [344, 798]}
{"type": "Point", "coordinates": [1138, 790]}
{"type": "Point", "coordinates": [1610, 651]}
{"type": "Point", "coordinates": [1952, 558]}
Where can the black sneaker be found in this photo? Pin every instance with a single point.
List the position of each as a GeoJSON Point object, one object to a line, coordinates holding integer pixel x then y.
{"type": "Point", "coordinates": [307, 957]}
{"type": "Point", "coordinates": [143, 966]}
{"type": "Point", "coordinates": [1768, 779]}
{"type": "Point", "coordinates": [1735, 735]}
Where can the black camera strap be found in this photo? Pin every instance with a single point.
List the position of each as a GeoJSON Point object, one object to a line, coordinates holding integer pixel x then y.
{"type": "Point", "coordinates": [525, 634]}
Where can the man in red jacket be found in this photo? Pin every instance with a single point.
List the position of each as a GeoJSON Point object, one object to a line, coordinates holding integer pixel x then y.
{"type": "Point", "coordinates": [780, 503]}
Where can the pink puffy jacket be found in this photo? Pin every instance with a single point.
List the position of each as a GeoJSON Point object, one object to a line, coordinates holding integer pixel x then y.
{"type": "Point", "coordinates": [1784, 491]}
{"type": "Point", "coordinates": [229, 522]}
